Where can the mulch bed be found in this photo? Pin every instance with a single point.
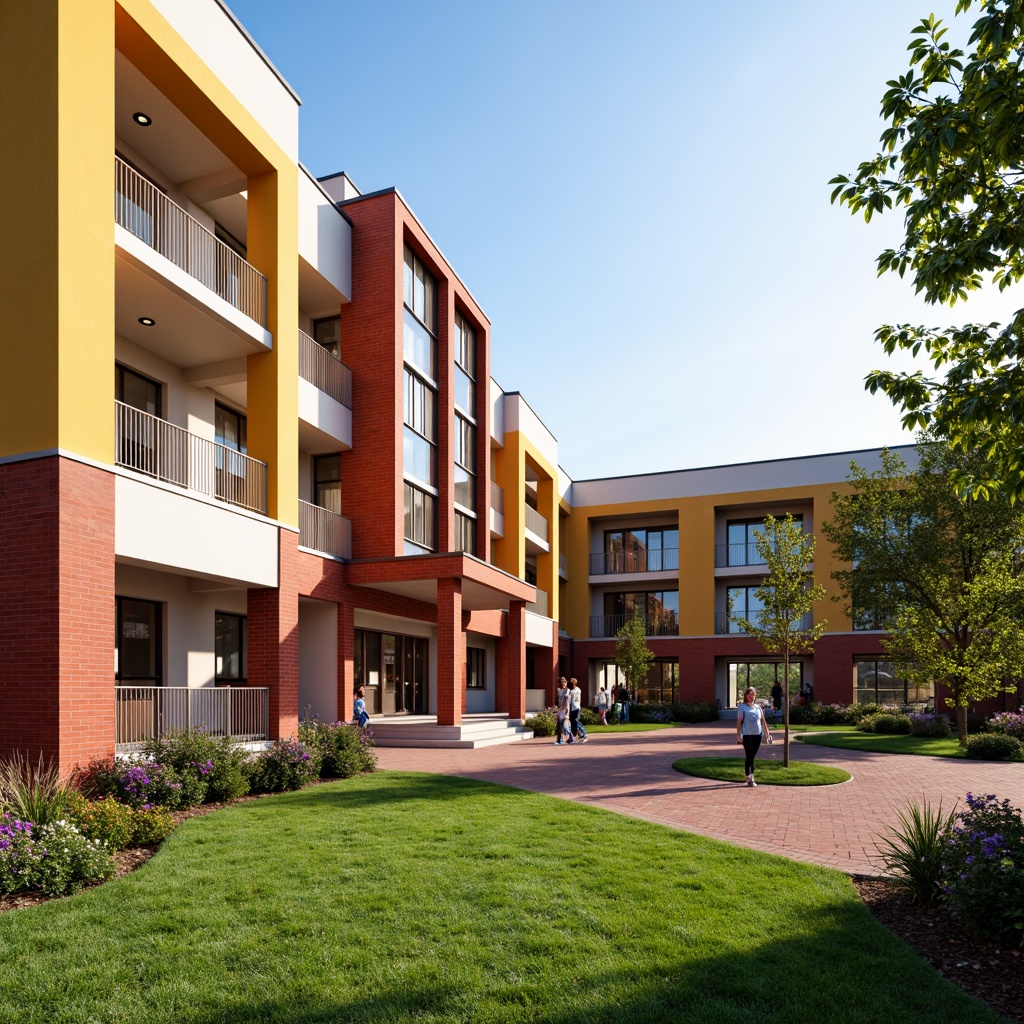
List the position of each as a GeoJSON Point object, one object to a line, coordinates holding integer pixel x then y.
{"type": "Point", "coordinates": [993, 974]}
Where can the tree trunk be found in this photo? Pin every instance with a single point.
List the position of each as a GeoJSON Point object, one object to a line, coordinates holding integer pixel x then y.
{"type": "Point", "coordinates": [785, 711]}
{"type": "Point", "coordinates": [961, 724]}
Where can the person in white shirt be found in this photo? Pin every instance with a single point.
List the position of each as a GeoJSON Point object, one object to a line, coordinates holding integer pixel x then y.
{"type": "Point", "coordinates": [575, 703]}
{"type": "Point", "coordinates": [562, 713]}
{"type": "Point", "coordinates": [602, 705]}
{"type": "Point", "coordinates": [750, 727]}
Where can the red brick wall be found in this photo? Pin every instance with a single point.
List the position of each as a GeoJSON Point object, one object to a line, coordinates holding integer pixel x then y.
{"type": "Point", "coordinates": [57, 631]}
{"type": "Point", "coordinates": [451, 653]}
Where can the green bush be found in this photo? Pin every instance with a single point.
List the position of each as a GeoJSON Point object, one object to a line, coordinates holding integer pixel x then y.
{"type": "Point", "coordinates": [287, 765]}
{"type": "Point", "coordinates": [694, 711]}
{"type": "Point", "coordinates": [802, 714]}
{"type": "Point", "coordinates": [914, 851]}
{"type": "Point", "coordinates": [209, 768]}
{"type": "Point", "coordinates": [994, 746]}
{"type": "Point", "coordinates": [136, 781]}
{"type": "Point", "coordinates": [543, 723]}
{"type": "Point", "coordinates": [651, 713]}
{"type": "Point", "coordinates": [983, 873]}
{"type": "Point", "coordinates": [833, 714]}
{"type": "Point", "coordinates": [151, 825]}
{"type": "Point", "coordinates": [886, 723]}
{"type": "Point", "coordinates": [867, 709]}
{"type": "Point", "coordinates": [107, 820]}
{"type": "Point", "coordinates": [930, 725]}
{"type": "Point", "coordinates": [342, 749]}
{"type": "Point", "coordinates": [53, 859]}
{"type": "Point", "coordinates": [588, 716]}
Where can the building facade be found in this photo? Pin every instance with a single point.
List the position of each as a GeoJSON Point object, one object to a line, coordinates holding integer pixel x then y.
{"type": "Point", "coordinates": [251, 453]}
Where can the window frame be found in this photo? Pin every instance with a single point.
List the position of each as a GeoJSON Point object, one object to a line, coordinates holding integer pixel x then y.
{"type": "Point", "coordinates": [242, 631]}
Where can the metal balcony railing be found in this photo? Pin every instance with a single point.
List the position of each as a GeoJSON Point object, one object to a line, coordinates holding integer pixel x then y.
{"type": "Point", "coordinates": [609, 625]}
{"type": "Point", "coordinates": [737, 554]}
{"type": "Point", "coordinates": [324, 531]}
{"type": "Point", "coordinates": [540, 606]}
{"type": "Point", "coordinates": [536, 523]}
{"type": "Point", "coordinates": [150, 445]}
{"type": "Point", "coordinates": [606, 563]}
{"type": "Point", "coordinates": [324, 370]}
{"type": "Point", "coordinates": [141, 208]}
{"type": "Point", "coordinates": [242, 713]}
{"type": "Point", "coordinates": [725, 622]}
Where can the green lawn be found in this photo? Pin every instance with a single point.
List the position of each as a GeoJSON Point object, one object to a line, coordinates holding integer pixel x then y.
{"type": "Point", "coordinates": [634, 727]}
{"type": "Point", "coordinates": [766, 772]}
{"type": "Point", "coordinates": [402, 897]}
{"type": "Point", "coordinates": [848, 738]}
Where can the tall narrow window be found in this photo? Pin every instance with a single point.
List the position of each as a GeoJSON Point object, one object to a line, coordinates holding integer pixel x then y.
{"type": "Point", "coordinates": [476, 668]}
{"type": "Point", "coordinates": [231, 662]}
{"type": "Point", "coordinates": [230, 428]}
{"type": "Point", "coordinates": [327, 334]}
{"type": "Point", "coordinates": [139, 642]}
{"type": "Point", "coordinates": [327, 482]}
{"type": "Point", "coordinates": [465, 366]}
{"type": "Point", "coordinates": [419, 432]}
{"type": "Point", "coordinates": [137, 391]}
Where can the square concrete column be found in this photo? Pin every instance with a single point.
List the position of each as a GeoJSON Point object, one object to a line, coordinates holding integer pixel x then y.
{"type": "Point", "coordinates": [451, 652]}
{"type": "Point", "coordinates": [546, 662]}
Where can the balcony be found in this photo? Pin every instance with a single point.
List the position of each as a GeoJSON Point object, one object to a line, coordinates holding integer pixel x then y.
{"type": "Point", "coordinates": [540, 606]}
{"type": "Point", "coordinates": [609, 625]}
{"type": "Point", "coordinates": [563, 565]}
{"type": "Point", "coordinates": [142, 713]}
{"type": "Point", "coordinates": [497, 519]}
{"type": "Point", "coordinates": [150, 445]}
{"type": "Point", "coordinates": [725, 622]}
{"type": "Point", "coordinates": [727, 555]}
{"type": "Point", "coordinates": [324, 531]}
{"type": "Point", "coordinates": [609, 563]}
{"type": "Point", "coordinates": [144, 211]}
{"type": "Point", "coordinates": [324, 370]}
{"type": "Point", "coordinates": [536, 531]}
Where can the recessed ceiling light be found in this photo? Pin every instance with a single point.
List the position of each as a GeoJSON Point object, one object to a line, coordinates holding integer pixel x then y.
{"type": "Point", "coordinates": [146, 321]}
{"type": "Point", "coordinates": [142, 119]}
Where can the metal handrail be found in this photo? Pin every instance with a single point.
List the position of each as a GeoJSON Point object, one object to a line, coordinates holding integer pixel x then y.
{"type": "Point", "coordinates": [141, 713]}
{"type": "Point", "coordinates": [324, 370]}
{"type": "Point", "coordinates": [607, 563]}
{"type": "Point", "coordinates": [726, 622]}
{"type": "Point", "coordinates": [147, 444]}
{"type": "Point", "coordinates": [536, 523]}
{"type": "Point", "coordinates": [322, 530]}
{"type": "Point", "coordinates": [141, 208]}
{"type": "Point", "coordinates": [737, 554]}
{"type": "Point", "coordinates": [609, 625]}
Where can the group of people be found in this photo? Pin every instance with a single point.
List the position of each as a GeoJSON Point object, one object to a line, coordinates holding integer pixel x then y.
{"type": "Point", "coordinates": [568, 701]}
{"type": "Point", "coordinates": [604, 701]}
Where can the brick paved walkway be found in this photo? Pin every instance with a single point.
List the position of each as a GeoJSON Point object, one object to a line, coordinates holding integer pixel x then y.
{"type": "Point", "coordinates": [632, 773]}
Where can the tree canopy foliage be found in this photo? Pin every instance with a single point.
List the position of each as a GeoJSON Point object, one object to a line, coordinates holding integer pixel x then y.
{"type": "Point", "coordinates": [952, 157]}
{"type": "Point", "coordinates": [787, 595]}
{"type": "Point", "coordinates": [941, 570]}
{"type": "Point", "coordinates": [632, 654]}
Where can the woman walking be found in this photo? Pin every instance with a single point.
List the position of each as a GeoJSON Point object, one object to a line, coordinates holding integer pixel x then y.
{"type": "Point", "coordinates": [750, 727]}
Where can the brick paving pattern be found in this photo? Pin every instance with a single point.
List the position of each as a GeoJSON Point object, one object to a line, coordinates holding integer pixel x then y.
{"type": "Point", "coordinates": [632, 773]}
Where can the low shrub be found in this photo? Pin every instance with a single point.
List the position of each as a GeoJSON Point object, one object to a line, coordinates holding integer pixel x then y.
{"type": "Point", "coordinates": [994, 746]}
{"type": "Point", "coordinates": [543, 723]}
{"type": "Point", "coordinates": [930, 725]}
{"type": "Point", "coordinates": [208, 767]}
{"type": "Point", "coordinates": [983, 872]}
{"type": "Point", "coordinates": [833, 714]}
{"type": "Point", "coordinates": [34, 792]}
{"type": "Point", "coordinates": [287, 765]}
{"type": "Point", "coordinates": [108, 820]}
{"type": "Point", "coordinates": [914, 850]}
{"type": "Point", "coordinates": [1008, 723]}
{"type": "Point", "coordinates": [651, 713]}
{"type": "Point", "coordinates": [342, 749]}
{"type": "Point", "coordinates": [588, 716]}
{"type": "Point", "coordinates": [151, 825]}
{"type": "Point", "coordinates": [694, 711]}
{"type": "Point", "coordinates": [801, 714]}
{"type": "Point", "coordinates": [136, 781]}
{"type": "Point", "coordinates": [868, 708]}
{"type": "Point", "coordinates": [53, 859]}
{"type": "Point", "coordinates": [886, 723]}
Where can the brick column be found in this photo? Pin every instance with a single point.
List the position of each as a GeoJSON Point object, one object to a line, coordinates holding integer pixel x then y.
{"type": "Point", "coordinates": [515, 657]}
{"type": "Point", "coordinates": [546, 662]}
{"type": "Point", "coordinates": [346, 663]}
{"type": "Point", "coordinates": [56, 611]}
{"type": "Point", "coordinates": [274, 640]}
{"type": "Point", "coordinates": [451, 652]}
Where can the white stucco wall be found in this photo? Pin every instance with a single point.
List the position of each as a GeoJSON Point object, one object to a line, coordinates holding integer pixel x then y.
{"type": "Point", "coordinates": [318, 659]}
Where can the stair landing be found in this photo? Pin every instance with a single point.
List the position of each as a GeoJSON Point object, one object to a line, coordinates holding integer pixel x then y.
{"type": "Point", "coordinates": [474, 731]}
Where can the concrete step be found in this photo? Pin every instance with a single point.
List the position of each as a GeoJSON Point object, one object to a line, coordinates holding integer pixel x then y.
{"type": "Point", "coordinates": [473, 733]}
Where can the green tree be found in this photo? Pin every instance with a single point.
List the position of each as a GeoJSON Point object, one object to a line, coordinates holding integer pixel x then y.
{"type": "Point", "coordinates": [952, 156]}
{"type": "Point", "coordinates": [941, 570]}
{"type": "Point", "coordinates": [787, 595]}
{"type": "Point", "coordinates": [632, 654]}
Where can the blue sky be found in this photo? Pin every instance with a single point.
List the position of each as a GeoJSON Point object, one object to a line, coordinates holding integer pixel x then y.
{"type": "Point", "coordinates": [638, 201]}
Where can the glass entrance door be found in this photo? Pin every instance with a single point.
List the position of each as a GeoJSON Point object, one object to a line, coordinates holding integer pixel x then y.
{"type": "Point", "coordinates": [404, 677]}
